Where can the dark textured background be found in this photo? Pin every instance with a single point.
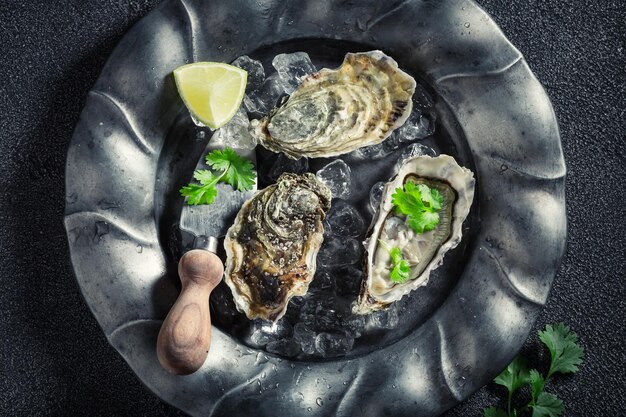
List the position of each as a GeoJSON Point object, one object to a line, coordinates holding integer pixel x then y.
{"type": "Point", "coordinates": [55, 361]}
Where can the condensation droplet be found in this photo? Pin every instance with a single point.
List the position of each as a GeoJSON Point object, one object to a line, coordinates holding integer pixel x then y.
{"type": "Point", "coordinates": [467, 24]}
{"type": "Point", "coordinates": [139, 248]}
{"type": "Point", "coordinates": [319, 401]}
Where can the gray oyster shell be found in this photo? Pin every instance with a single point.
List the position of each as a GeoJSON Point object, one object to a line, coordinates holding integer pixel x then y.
{"type": "Point", "coordinates": [335, 111]}
{"type": "Point", "coordinates": [272, 246]}
{"type": "Point", "coordinates": [424, 251]}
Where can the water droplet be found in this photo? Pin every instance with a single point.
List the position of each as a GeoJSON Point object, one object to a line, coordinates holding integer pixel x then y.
{"type": "Point", "coordinates": [277, 384]}
{"type": "Point", "coordinates": [394, 386]}
{"type": "Point", "coordinates": [503, 167]}
{"type": "Point", "coordinates": [261, 358]}
{"type": "Point", "coordinates": [319, 402]}
{"type": "Point", "coordinates": [309, 409]}
{"type": "Point", "coordinates": [467, 24]}
{"type": "Point", "coordinates": [139, 248]}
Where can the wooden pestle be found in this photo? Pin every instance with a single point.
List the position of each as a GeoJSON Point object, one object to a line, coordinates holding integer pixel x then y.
{"type": "Point", "coordinates": [185, 336]}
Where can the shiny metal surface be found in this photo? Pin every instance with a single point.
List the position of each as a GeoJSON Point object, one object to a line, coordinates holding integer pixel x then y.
{"type": "Point", "coordinates": [134, 146]}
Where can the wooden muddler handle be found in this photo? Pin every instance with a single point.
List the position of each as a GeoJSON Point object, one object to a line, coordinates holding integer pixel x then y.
{"type": "Point", "coordinates": [185, 336]}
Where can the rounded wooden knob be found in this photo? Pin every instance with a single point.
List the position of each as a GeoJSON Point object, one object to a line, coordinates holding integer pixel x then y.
{"type": "Point", "coordinates": [185, 336]}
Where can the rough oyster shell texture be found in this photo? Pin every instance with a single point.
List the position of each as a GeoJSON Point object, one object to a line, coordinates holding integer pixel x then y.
{"type": "Point", "coordinates": [423, 251]}
{"type": "Point", "coordinates": [273, 244]}
{"type": "Point", "coordinates": [336, 111]}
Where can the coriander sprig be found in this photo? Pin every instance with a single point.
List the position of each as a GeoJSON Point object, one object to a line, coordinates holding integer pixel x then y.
{"type": "Point", "coordinates": [400, 268]}
{"type": "Point", "coordinates": [232, 169]}
{"type": "Point", "coordinates": [566, 355]}
{"type": "Point", "coordinates": [421, 205]}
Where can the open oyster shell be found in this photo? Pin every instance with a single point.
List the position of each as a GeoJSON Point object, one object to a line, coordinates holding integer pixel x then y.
{"type": "Point", "coordinates": [423, 251]}
{"type": "Point", "coordinates": [335, 111]}
{"type": "Point", "coordinates": [273, 244]}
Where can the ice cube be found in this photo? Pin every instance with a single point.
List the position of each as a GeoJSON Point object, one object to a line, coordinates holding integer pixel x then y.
{"type": "Point", "coordinates": [266, 97]}
{"type": "Point", "coordinates": [376, 195]}
{"type": "Point", "coordinates": [336, 176]}
{"type": "Point", "coordinates": [324, 312]}
{"type": "Point", "coordinates": [263, 332]}
{"type": "Point", "coordinates": [418, 126]}
{"type": "Point", "coordinates": [283, 347]}
{"type": "Point", "coordinates": [337, 251]}
{"type": "Point", "coordinates": [235, 133]}
{"type": "Point", "coordinates": [305, 337]}
{"type": "Point", "coordinates": [334, 344]}
{"type": "Point", "coordinates": [285, 164]}
{"type": "Point", "coordinates": [324, 281]}
{"type": "Point", "coordinates": [292, 68]}
{"type": "Point", "coordinates": [385, 319]}
{"type": "Point", "coordinates": [344, 220]}
{"type": "Point", "coordinates": [223, 306]}
{"type": "Point", "coordinates": [255, 70]}
{"type": "Point", "coordinates": [422, 100]}
{"type": "Point", "coordinates": [378, 151]}
{"type": "Point", "coordinates": [413, 150]}
{"type": "Point", "coordinates": [348, 280]}
{"type": "Point", "coordinates": [354, 325]}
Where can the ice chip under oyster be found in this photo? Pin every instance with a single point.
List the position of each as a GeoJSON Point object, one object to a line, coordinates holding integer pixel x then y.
{"type": "Point", "coordinates": [423, 251]}
{"type": "Point", "coordinates": [273, 244]}
{"type": "Point", "coordinates": [335, 111]}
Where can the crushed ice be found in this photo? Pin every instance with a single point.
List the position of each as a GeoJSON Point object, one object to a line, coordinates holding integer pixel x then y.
{"type": "Point", "coordinates": [321, 323]}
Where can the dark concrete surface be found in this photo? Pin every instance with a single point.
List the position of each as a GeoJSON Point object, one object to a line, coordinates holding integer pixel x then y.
{"type": "Point", "coordinates": [55, 361]}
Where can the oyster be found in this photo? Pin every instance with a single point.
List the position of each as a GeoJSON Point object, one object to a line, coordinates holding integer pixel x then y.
{"type": "Point", "coordinates": [273, 244]}
{"type": "Point", "coordinates": [423, 251]}
{"type": "Point", "coordinates": [337, 111]}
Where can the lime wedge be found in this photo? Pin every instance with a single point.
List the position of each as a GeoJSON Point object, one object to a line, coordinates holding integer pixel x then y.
{"type": "Point", "coordinates": [212, 91]}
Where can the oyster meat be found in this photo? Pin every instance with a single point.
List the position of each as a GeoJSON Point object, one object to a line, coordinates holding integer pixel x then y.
{"type": "Point", "coordinates": [272, 246]}
{"type": "Point", "coordinates": [423, 251]}
{"type": "Point", "coordinates": [335, 111]}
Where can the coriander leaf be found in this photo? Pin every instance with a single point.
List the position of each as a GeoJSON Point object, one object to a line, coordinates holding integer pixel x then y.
{"type": "Point", "coordinates": [431, 196]}
{"type": "Point", "coordinates": [205, 177]}
{"type": "Point", "coordinates": [547, 405]}
{"type": "Point", "coordinates": [199, 194]}
{"type": "Point", "coordinates": [565, 352]}
{"type": "Point", "coordinates": [495, 412]}
{"type": "Point", "coordinates": [420, 204]}
{"type": "Point", "coordinates": [401, 268]}
{"type": "Point", "coordinates": [537, 383]}
{"type": "Point", "coordinates": [514, 376]}
{"type": "Point", "coordinates": [427, 221]}
{"type": "Point", "coordinates": [408, 200]}
{"type": "Point", "coordinates": [236, 171]}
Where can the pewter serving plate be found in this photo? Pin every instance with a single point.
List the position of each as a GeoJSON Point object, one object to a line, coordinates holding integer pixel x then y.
{"type": "Point", "coordinates": [135, 145]}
